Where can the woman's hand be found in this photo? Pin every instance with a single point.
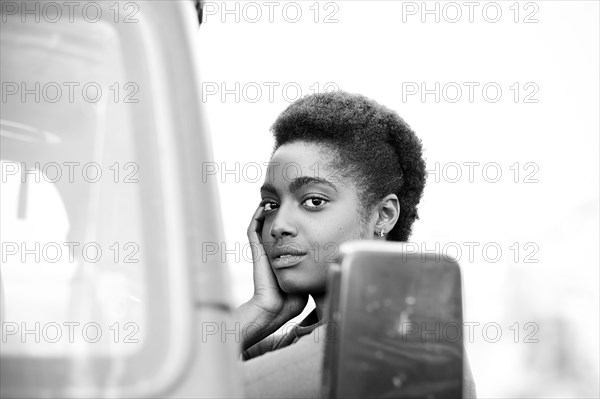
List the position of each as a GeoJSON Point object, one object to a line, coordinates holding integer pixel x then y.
{"type": "Point", "coordinates": [270, 307]}
{"type": "Point", "coordinates": [268, 296]}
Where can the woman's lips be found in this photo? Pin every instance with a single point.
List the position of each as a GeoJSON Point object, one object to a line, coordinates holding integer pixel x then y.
{"type": "Point", "coordinates": [284, 261]}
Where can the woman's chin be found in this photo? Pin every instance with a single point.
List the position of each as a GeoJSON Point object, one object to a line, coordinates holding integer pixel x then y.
{"type": "Point", "coordinates": [291, 282]}
{"type": "Point", "coordinates": [290, 286]}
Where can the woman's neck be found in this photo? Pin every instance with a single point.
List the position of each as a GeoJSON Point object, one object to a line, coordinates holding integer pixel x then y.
{"type": "Point", "coordinates": [320, 305]}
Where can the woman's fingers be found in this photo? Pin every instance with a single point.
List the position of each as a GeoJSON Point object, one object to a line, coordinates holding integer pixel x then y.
{"type": "Point", "coordinates": [254, 234]}
{"type": "Point", "coordinates": [262, 267]}
{"type": "Point", "coordinates": [256, 224]}
{"type": "Point", "coordinates": [267, 293]}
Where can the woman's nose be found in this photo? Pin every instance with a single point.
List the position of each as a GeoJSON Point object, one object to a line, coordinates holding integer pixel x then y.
{"type": "Point", "coordinates": [283, 224]}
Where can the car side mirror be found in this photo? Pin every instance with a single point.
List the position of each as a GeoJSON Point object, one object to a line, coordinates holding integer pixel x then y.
{"type": "Point", "coordinates": [395, 324]}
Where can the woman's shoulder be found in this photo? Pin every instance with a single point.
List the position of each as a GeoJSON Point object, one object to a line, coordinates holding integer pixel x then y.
{"type": "Point", "coordinates": [291, 371]}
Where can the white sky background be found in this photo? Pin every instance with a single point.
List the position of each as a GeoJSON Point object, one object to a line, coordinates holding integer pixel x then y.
{"type": "Point", "coordinates": [372, 51]}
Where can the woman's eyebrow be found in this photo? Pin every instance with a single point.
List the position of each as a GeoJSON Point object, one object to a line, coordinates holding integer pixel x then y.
{"type": "Point", "coordinates": [298, 183]}
{"type": "Point", "coordinates": [268, 187]}
{"type": "Point", "coordinates": [301, 181]}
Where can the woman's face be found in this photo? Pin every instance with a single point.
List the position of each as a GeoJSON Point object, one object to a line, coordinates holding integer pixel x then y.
{"type": "Point", "coordinates": [310, 209]}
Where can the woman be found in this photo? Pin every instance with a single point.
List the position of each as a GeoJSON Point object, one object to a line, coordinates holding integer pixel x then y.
{"type": "Point", "coordinates": [343, 168]}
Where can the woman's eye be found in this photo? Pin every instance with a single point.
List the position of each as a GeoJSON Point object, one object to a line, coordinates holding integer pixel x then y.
{"type": "Point", "coordinates": [314, 202]}
{"type": "Point", "coordinates": [269, 206]}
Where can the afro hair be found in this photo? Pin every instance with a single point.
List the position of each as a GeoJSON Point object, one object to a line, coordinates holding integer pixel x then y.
{"type": "Point", "coordinates": [374, 145]}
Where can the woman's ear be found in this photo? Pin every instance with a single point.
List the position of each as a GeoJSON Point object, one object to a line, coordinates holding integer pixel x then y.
{"type": "Point", "coordinates": [388, 212]}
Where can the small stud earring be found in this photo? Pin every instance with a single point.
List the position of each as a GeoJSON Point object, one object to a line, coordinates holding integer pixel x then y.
{"type": "Point", "coordinates": [381, 233]}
